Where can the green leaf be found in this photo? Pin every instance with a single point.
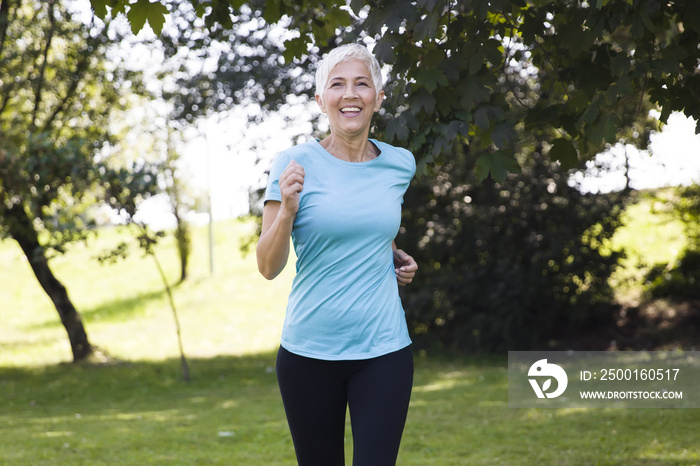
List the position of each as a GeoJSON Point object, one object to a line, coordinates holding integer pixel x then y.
{"type": "Point", "coordinates": [384, 51]}
{"type": "Point", "coordinates": [481, 9]}
{"type": "Point", "coordinates": [200, 10]}
{"type": "Point", "coordinates": [564, 151]}
{"type": "Point", "coordinates": [137, 19]}
{"type": "Point", "coordinates": [396, 130]}
{"type": "Point", "coordinates": [637, 29]}
{"type": "Point", "coordinates": [473, 93]}
{"type": "Point", "coordinates": [357, 5]}
{"type": "Point", "coordinates": [620, 64]}
{"type": "Point", "coordinates": [143, 11]}
{"type": "Point", "coordinates": [493, 51]}
{"type": "Point", "coordinates": [476, 61]}
{"type": "Point", "coordinates": [481, 118]}
{"type": "Point", "coordinates": [338, 18]}
{"type": "Point", "coordinates": [604, 129]}
{"type": "Point", "coordinates": [272, 12]}
{"type": "Point", "coordinates": [295, 48]}
{"type": "Point", "coordinates": [430, 78]}
{"type": "Point", "coordinates": [497, 164]}
{"type": "Point", "coordinates": [428, 4]}
{"type": "Point", "coordinates": [451, 130]}
{"type": "Point", "coordinates": [422, 99]}
{"type": "Point", "coordinates": [99, 7]}
{"type": "Point", "coordinates": [487, 115]}
{"type": "Point", "coordinates": [611, 123]}
{"type": "Point", "coordinates": [503, 135]}
{"type": "Point", "coordinates": [427, 27]}
{"type": "Point", "coordinates": [593, 110]}
{"type": "Point", "coordinates": [649, 24]}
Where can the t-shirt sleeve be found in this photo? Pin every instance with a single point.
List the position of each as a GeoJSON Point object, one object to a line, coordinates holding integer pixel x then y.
{"type": "Point", "coordinates": [272, 192]}
{"type": "Point", "coordinates": [410, 168]}
{"type": "Point", "coordinates": [412, 164]}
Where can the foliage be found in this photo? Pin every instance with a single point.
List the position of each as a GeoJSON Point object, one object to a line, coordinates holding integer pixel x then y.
{"type": "Point", "coordinates": [511, 265]}
{"type": "Point", "coordinates": [681, 278]}
{"type": "Point", "coordinates": [687, 209]}
{"type": "Point", "coordinates": [58, 93]}
{"type": "Point", "coordinates": [594, 62]}
{"type": "Point", "coordinates": [678, 280]}
{"type": "Point", "coordinates": [244, 64]}
{"type": "Point", "coordinates": [148, 241]}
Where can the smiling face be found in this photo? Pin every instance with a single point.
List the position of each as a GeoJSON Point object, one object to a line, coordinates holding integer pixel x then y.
{"type": "Point", "coordinates": [350, 99]}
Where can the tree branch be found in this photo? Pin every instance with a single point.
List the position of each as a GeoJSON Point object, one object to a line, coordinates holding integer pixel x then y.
{"type": "Point", "coordinates": [70, 93]}
{"type": "Point", "coordinates": [45, 56]}
{"type": "Point", "coordinates": [4, 22]}
{"type": "Point", "coordinates": [80, 68]}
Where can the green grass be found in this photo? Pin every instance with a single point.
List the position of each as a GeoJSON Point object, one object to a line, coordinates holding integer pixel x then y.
{"type": "Point", "coordinates": [125, 308]}
{"type": "Point", "coordinates": [650, 236]}
{"type": "Point", "coordinates": [135, 409]}
{"type": "Point", "coordinates": [230, 413]}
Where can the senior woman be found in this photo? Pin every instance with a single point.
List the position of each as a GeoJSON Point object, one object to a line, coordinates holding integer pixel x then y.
{"type": "Point", "coordinates": [344, 342]}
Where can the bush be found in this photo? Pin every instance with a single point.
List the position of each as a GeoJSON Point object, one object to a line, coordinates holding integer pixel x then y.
{"type": "Point", "coordinates": [508, 266]}
{"type": "Point", "coordinates": [682, 278]}
{"type": "Point", "coordinates": [681, 281]}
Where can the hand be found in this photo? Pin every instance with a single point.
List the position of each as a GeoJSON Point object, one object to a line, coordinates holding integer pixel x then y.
{"type": "Point", "coordinates": [291, 184]}
{"type": "Point", "coordinates": [405, 267]}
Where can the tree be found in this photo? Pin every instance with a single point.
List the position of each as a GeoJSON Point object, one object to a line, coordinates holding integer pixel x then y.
{"type": "Point", "coordinates": [179, 203]}
{"type": "Point", "coordinates": [511, 265]}
{"type": "Point", "coordinates": [593, 60]}
{"type": "Point", "coordinates": [58, 92]}
{"type": "Point", "coordinates": [680, 279]}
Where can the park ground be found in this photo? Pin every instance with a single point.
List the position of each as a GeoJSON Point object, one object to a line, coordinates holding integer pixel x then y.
{"type": "Point", "coordinates": [130, 406]}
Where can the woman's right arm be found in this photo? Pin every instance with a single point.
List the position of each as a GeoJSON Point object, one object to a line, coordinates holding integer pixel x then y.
{"type": "Point", "coordinates": [277, 221]}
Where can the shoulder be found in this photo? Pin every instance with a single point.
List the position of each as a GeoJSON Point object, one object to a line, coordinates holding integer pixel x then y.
{"type": "Point", "coordinates": [397, 155]}
{"type": "Point", "coordinates": [300, 153]}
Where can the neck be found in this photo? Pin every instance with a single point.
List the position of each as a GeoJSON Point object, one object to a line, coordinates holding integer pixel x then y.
{"type": "Point", "coordinates": [350, 150]}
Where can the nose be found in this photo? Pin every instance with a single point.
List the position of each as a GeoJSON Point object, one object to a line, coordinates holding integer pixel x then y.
{"type": "Point", "coordinates": [350, 91]}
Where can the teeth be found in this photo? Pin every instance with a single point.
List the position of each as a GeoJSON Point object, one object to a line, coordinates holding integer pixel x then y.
{"type": "Point", "coordinates": [350, 109]}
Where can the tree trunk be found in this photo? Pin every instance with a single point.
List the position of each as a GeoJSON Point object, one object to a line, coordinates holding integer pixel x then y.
{"type": "Point", "coordinates": [22, 231]}
{"type": "Point", "coordinates": [184, 245]}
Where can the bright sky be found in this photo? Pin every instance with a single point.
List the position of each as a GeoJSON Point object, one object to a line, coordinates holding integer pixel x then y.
{"type": "Point", "coordinates": [673, 159]}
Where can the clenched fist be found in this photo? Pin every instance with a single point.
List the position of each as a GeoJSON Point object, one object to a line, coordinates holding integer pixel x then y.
{"type": "Point", "coordinates": [291, 184]}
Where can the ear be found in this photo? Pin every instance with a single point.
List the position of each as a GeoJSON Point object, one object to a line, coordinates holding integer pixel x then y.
{"type": "Point", "coordinates": [380, 99]}
{"type": "Point", "coordinates": [320, 103]}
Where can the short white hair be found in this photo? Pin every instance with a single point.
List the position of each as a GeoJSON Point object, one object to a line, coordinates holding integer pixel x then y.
{"type": "Point", "coordinates": [344, 53]}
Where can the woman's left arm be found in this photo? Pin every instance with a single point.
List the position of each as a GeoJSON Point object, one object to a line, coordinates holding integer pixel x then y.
{"type": "Point", "coordinates": [405, 266]}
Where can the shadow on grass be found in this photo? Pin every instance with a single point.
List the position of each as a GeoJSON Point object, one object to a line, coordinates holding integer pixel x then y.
{"type": "Point", "coordinates": [113, 311]}
{"type": "Point", "coordinates": [142, 412]}
{"type": "Point", "coordinates": [21, 344]}
{"type": "Point", "coordinates": [230, 413]}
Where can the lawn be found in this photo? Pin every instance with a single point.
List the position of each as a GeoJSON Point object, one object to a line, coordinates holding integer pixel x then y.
{"type": "Point", "coordinates": [132, 407]}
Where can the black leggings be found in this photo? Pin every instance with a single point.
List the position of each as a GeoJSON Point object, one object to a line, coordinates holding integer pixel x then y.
{"type": "Point", "coordinates": [316, 394]}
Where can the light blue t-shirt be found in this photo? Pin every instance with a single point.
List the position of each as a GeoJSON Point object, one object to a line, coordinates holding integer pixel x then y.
{"type": "Point", "coordinates": [344, 302]}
